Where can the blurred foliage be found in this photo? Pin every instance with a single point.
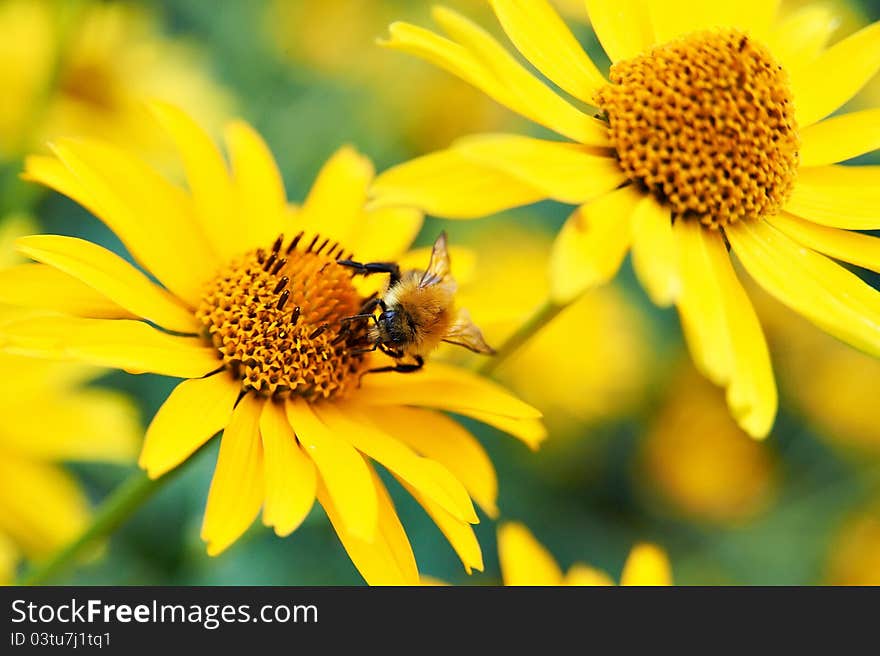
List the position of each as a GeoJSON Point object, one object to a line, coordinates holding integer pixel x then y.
{"type": "Point", "coordinates": [649, 455]}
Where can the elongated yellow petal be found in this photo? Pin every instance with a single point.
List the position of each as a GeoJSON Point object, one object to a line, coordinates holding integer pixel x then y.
{"type": "Point", "coordinates": [446, 387]}
{"type": "Point", "coordinates": [674, 18]}
{"type": "Point", "coordinates": [460, 534]}
{"type": "Point", "coordinates": [623, 27]}
{"type": "Point", "coordinates": [836, 75]}
{"type": "Point", "coordinates": [647, 564]}
{"type": "Point", "coordinates": [52, 512]}
{"type": "Point", "coordinates": [262, 201]}
{"type": "Point", "coordinates": [120, 344]}
{"type": "Point", "coordinates": [384, 234]}
{"type": "Point", "coordinates": [238, 488]}
{"type": "Point", "coordinates": [853, 247]}
{"type": "Point", "coordinates": [196, 410]}
{"type": "Point", "coordinates": [208, 179]}
{"type": "Point", "coordinates": [110, 275]}
{"type": "Point", "coordinates": [586, 576]}
{"type": "Point", "coordinates": [563, 171]}
{"type": "Point", "coordinates": [336, 202]}
{"type": "Point", "coordinates": [47, 288]}
{"type": "Point", "coordinates": [525, 561]}
{"type": "Point", "coordinates": [342, 471]}
{"type": "Point", "coordinates": [545, 40]}
{"type": "Point", "coordinates": [387, 559]}
{"type": "Point", "coordinates": [531, 432]}
{"type": "Point", "coordinates": [532, 97]}
{"type": "Point", "coordinates": [84, 424]}
{"type": "Point", "coordinates": [429, 477]}
{"type": "Point", "coordinates": [50, 171]}
{"type": "Point", "coordinates": [291, 479]}
{"type": "Point", "coordinates": [143, 209]}
{"type": "Point", "coordinates": [840, 138]}
{"type": "Point", "coordinates": [838, 196]}
{"type": "Point", "coordinates": [449, 185]}
{"type": "Point", "coordinates": [440, 438]}
{"type": "Point", "coordinates": [799, 37]}
{"type": "Point", "coordinates": [834, 299]}
{"type": "Point", "coordinates": [592, 244]}
{"type": "Point", "coordinates": [654, 256]}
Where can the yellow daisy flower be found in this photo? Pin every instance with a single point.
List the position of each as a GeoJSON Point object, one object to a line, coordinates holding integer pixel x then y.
{"type": "Point", "coordinates": [525, 561]}
{"type": "Point", "coordinates": [247, 310]}
{"type": "Point", "coordinates": [85, 68]}
{"type": "Point", "coordinates": [696, 459]}
{"type": "Point", "coordinates": [50, 417]}
{"type": "Point", "coordinates": [707, 140]}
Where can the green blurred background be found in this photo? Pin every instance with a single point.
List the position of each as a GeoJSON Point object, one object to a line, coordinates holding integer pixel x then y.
{"type": "Point", "coordinates": [654, 457]}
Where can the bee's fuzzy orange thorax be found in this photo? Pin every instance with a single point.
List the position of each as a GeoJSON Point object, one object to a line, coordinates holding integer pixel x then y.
{"type": "Point", "coordinates": [430, 310]}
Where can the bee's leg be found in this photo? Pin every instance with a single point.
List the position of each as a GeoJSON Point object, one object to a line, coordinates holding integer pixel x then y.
{"type": "Point", "coordinates": [366, 269]}
{"type": "Point", "coordinates": [401, 368]}
{"type": "Point", "coordinates": [366, 350]}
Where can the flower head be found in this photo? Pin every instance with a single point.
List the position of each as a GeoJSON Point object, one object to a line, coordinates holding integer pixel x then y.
{"type": "Point", "coordinates": [525, 561]}
{"type": "Point", "coordinates": [247, 310]}
{"type": "Point", "coordinates": [706, 143]}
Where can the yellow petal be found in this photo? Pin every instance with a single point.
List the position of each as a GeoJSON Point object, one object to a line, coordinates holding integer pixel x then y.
{"type": "Point", "coordinates": [257, 181]}
{"type": "Point", "coordinates": [838, 196]}
{"type": "Point", "coordinates": [121, 344]}
{"type": "Point", "coordinates": [52, 172]}
{"type": "Point", "coordinates": [342, 471]}
{"type": "Point", "coordinates": [723, 332]}
{"type": "Point", "coordinates": [591, 246]}
{"type": "Point", "coordinates": [291, 480]}
{"type": "Point", "coordinates": [524, 561]}
{"type": "Point", "coordinates": [440, 438]}
{"type": "Point", "coordinates": [459, 534]}
{"type": "Point", "coordinates": [581, 575]}
{"type": "Point", "coordinates": [799, 37]}
{"type": "Point", "coordinates": [384, 234]}
{"type": "Point", "coordinates": [47, 288]}
{"type": "Point", "coordinates": [446, 387]}
{"type": "Point", "coordinates": [144, 209]}
{"type": "Point", "coordinates": [237, 488]}
{"type": "Point", "coordinates": [653, 252]}
{"type": "Point", "coordinates": [82, 424]}
{"type": "Point", "coordinates": [622, 26]}
{"type": "Point", "coordinates": [110, 275]}
{"type": "Point", "coordinates": [840, 138]}
{"type": "Point", "coordinates": [531, 98]}
{"type": "Point", "coordinates": [427, 476]}
{"type": "Point", "coordinates": [563, 171]}
{"type": "Point", "coordinates": [531, 432]}
{"type": "Point", "coordinates": [674, 18]}
{"type": "Point", "coordinates": [336, 201]}
{"type": "Point", "coordinates": [449, 185]}
{"type": "Point", "coordinates": [41, 506]}
{"type": "Point", "coordinates": [208, 179]}
{"type": "Point", "coordinates": [545, 40]}
{"type": "Point", "coordinates": [836, 75]}
{"type": "Point", "coordinates": [196, 410]}
{"type": "Point", "coordinates": [853, 247]}
{"type": "Point", "coordinates": [824, 292]}
{"type": "Point", "coordinates": [387, 559]}
{"type": "Point", "coordinates": [647, 564]}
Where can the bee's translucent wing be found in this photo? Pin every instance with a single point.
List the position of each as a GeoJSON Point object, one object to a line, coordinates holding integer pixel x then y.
{"type": "Point", "coordinates": [438, 268]}
{"type": "Point", "coordinates": [464, 333]}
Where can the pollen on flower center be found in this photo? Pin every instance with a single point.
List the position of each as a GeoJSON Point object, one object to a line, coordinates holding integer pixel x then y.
{"type": "Point", "coordinates": [705, 123]}
{"type": "Point", "coordinates": [274, 316]}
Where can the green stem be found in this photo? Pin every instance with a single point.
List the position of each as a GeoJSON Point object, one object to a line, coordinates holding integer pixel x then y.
{"type": "Point", "coordinates": [542, 316]}
{"type": "Point", "coordinates": [112, 513]}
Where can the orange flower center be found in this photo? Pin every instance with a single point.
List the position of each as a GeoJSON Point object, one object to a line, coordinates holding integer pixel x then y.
{"type": "Point", "coordinates": [275, 319]}
{"type": "Point", "coordinates": [706, 124]}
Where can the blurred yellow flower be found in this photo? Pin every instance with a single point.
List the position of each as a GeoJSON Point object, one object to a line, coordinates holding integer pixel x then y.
{"type": "Point", "coordinates": [854, 557]}
{"type": "Point", "coordinates": [683, 165]}
{"type": "Point", "coordinates": [525, 561]}
{"type": "Point", "coordinates": [85, 69]}
{"type": "Point", "coordinates": [50, 416]}
{"type": "Point", "coordinates": [250, 319]}
{"type": "Point", "coordinates": [699, 460]}
{"type": "Point", "coordinates": [590, 363]}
